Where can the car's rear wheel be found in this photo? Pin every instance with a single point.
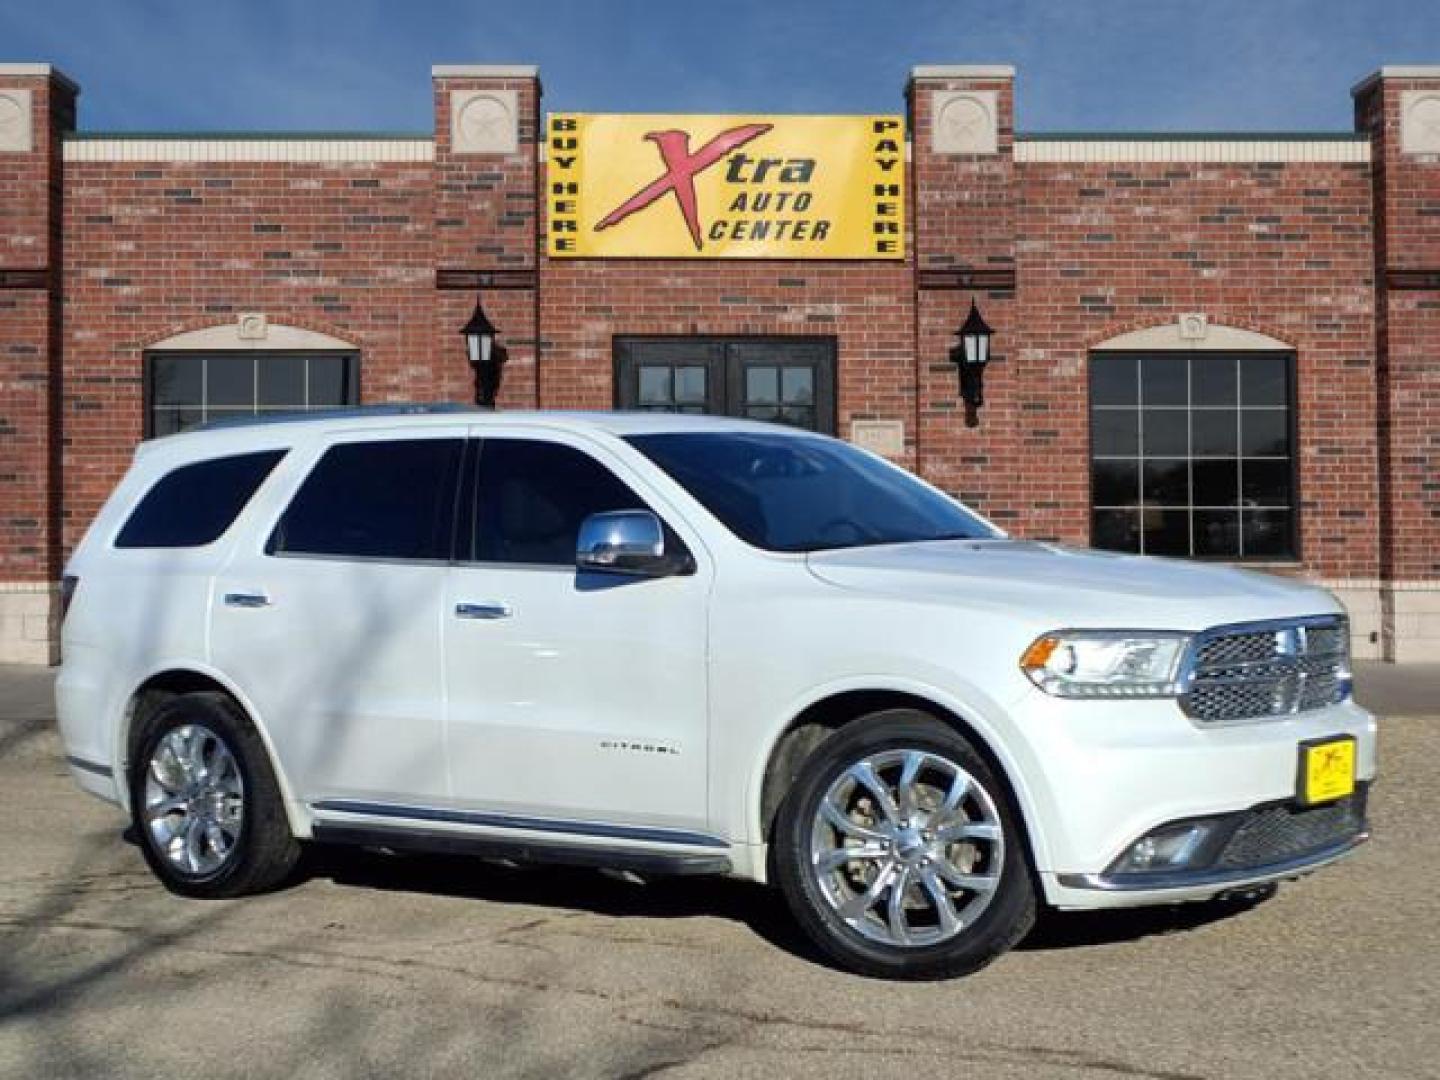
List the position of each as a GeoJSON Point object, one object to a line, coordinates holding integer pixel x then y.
{"type": "Point", "coordinates": [205, 802]}
{"type": "Point", "coordinates": [901, 853]}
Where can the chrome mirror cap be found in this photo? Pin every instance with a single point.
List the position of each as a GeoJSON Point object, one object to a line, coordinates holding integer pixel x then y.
{"type": "Point", "coordinates": [623, 542]}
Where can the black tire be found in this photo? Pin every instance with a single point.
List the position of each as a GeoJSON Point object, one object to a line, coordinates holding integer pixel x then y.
{"type": "Point", "coordinates": [995, 928]}
{"type": "Point", "coordinates": [264, 851]}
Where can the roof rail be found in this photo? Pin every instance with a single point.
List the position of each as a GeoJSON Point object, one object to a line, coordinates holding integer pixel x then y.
{"type": "Point", "coordinates": [397, 408]}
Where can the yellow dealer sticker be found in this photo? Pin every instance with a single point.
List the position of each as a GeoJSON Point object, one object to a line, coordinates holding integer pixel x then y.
{"type": "Point", "coordinates": [725, 187]}
{"type": "Point", "coordinates": [1327, 769]}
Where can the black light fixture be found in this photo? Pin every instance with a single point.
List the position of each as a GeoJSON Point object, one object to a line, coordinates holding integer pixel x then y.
{"type": "Point", "coordinates": [971, 355]}
{"type": "Point", "coordinates": [486, 356]}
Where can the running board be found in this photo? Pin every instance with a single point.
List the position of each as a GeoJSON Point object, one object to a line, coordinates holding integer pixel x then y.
{"type": "Point", "coordinates": [446, 842]}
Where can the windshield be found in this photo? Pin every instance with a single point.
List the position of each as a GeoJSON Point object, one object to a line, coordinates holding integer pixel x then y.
{"type": "Point", "coordinates": [793, 493]}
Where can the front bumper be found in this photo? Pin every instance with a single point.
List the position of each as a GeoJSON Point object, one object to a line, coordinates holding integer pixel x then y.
{"type": "Point", "coordinates": [1253, 847]}
{"type": "Point", "coordinates": [1097, 776]}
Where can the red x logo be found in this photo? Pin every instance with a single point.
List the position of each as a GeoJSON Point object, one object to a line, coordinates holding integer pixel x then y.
{"type": "Point", "coordinates": [681, 168]}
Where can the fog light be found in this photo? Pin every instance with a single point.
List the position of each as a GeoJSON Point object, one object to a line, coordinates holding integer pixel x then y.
{"type": "Point", "coordinates": [1170, 847]}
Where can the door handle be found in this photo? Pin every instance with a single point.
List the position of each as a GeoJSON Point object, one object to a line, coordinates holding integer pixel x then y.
{"type": "Point", "coordinates": [246, 600]}
{"type": "Point", "coordinates": [489, 609]}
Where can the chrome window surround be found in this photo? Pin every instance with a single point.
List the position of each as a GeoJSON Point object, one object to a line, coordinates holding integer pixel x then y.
{"type": "Point", "coordinates": [1252, 671]}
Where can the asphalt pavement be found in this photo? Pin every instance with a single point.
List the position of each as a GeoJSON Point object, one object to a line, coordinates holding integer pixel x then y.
{"type": "Point", "coordinates": [389, 966]}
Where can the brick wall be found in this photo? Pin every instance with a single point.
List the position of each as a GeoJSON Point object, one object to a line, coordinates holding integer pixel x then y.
{"type": "Point", "coordinates": [1061, 255]}
{"type": "Point", "coordinates": [1407, 257]}
{"type": "Point", "coordinates": [30, 376]}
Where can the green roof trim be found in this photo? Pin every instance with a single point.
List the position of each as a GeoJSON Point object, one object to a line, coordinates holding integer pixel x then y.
{"type": "Point", "coordinates": [1191, 136]}
{"type": "Point", "coordinates": [250, 136]}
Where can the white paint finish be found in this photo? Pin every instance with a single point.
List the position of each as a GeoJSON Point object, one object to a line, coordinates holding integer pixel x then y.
{"type": "Point", "coordinates": [17, 129]}
{"type": "Point", "coordinates": [1215, 337]}
{"type": "Point", "coordinates": [484, 71]}
{"type": "Point", "coordinates": [883, 437]}
{"type": "Point", "coordinates": [366, 686]}
{"type": "Point", "coordinates": [581, 662]}
{"type": "Point", "coordinates": [1420, 121]}
{"type": "Point", "coordinates": [964, 122]}
{"type": "Point", "coordinates": [1198, 151]}
{"type": "Point", "coordinates": [484, 122]}
{"type": "Point", "coordinates": [250, 330]}
{"type": "Point", "coordinates": [219, 149]}
{"type": "Point", "coordinates": [962, 71]}
{"type": "Point", "coordinates": [345, 660]}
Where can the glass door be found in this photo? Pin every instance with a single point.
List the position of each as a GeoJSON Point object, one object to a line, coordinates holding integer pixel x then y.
{"type": "Point", "coordinates": [780, 380]}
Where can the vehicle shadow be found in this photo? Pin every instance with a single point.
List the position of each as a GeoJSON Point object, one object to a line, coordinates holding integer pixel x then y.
{"type": "Point", "coordinates": [1077, 929]}
{"type": "Point", "coordinates": [762, 910]}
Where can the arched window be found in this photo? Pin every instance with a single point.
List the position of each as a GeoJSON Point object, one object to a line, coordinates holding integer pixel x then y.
{"type": "Point", "coordinates": [211, 374]}
{"type": "Point", "coordinates": [1192, 449]}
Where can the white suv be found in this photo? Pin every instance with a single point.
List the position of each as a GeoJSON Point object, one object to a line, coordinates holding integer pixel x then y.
{"type": "Point", "coordinates": [689, 645]}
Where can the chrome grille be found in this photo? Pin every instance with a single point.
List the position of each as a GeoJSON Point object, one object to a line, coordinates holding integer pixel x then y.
{"type": "Point", "coordinates": [1251, 671]}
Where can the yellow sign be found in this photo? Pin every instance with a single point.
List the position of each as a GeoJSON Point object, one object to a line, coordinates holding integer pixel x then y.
{"type": "Point", "coordinates": [727, 187]}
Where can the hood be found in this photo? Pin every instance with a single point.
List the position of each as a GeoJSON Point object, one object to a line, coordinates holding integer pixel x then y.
{"type": "Point", "coordinates": [1066, 587]}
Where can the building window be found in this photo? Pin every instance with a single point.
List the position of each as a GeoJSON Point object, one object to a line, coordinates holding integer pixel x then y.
{"type": "Point", "coordinates": [185, 390]}
{"type": "Point", "coordinates": [1192, 454]}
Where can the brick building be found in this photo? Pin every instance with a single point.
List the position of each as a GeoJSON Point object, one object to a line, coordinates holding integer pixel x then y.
{"type": "Point", "coordinates": [1207, 345]}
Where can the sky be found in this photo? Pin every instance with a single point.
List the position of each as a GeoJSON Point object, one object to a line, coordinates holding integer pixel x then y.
{"type": "Point", "coordinates": [363, 65]}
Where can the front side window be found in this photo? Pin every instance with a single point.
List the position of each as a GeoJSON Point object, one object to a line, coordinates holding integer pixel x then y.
{"type": "Point", "coordinates": [393, 499]}
{"type": "Point", "coordinates": [185, 390]}
{"type": "Point", "coordinates": [1191, 454]}
{"type": "Point", "coordinates": [532, 496]}
{"type": "Point", "coordinates": [194, 504]}
{"type": "Point", "coordinates": [793, 493]}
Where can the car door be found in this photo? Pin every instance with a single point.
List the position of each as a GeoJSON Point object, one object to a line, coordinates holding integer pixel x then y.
{"type": "Point", "coordinates": [330, 622]}
{"type": "Point", "coordinates": [576, 697]}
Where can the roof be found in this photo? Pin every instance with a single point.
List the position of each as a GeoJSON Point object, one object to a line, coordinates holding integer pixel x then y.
{"type": "Point", "coordinates": [274, 429]}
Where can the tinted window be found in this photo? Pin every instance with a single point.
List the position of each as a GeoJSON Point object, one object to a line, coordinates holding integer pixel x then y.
{"type": "Point", "coordinates": [196, 503]}
{"type": "Point", "coordinates": [391, 500]}
{"type": "Point", "coordinates": [792, 493]}
{"type": "Point", "coordinates": [532, 497]}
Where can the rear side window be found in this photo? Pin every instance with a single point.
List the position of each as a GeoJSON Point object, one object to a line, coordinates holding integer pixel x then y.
{"type": "Point", "coordinates": [382, 500]}
{"type": "Point", "coordinates": [193, 505]}
{"type": "Point", "coordinates": [532, 497]}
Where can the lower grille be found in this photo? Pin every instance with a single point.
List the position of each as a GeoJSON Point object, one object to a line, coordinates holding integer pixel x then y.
{"type": "Point", "coordinates": [1277, 833]}
{"type": "Point", "coordinates": [1255, 670]}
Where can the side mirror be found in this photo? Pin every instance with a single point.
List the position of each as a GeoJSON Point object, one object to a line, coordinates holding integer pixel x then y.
{"type": "Point", "coordinates": [624, 542]}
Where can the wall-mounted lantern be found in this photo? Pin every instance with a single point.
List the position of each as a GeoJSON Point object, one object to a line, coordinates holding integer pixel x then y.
{"type": "Point", "coordinates": [971, 355]}
{"type": "Point", "coordinates": [486, 356]}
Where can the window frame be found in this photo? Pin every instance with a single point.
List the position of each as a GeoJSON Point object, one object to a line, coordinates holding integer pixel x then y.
{"type": "Point", "coordinates": [1295, 553]}
{"type": "Point", "coordinates": [150, 356]}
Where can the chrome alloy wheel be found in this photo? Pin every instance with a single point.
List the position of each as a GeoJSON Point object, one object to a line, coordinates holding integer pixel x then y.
{"type": "Point", "coordinates": [194, 800]}
{"type": "Point", "coordinates": [907, 848]}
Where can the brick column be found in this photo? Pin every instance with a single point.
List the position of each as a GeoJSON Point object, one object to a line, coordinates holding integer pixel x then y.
{"type": "Point", "coordinates": [963, 177]}
{"type": "Point", "coordinates": [37, 105]}
{"type": "Point", "coordinates": [486, 236]}
{"type": "Point", "coordinates": [1400, 108]}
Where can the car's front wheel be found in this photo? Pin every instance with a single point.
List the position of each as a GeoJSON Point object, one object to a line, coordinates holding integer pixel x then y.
{"type": "Point", "coordinates": [205, 802]}
{"type": "Point", "coordinates": [901, 853]}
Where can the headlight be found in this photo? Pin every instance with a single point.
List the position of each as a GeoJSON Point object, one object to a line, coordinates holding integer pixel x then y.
{"type": "Point", "coordinates": [1106, 663]}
